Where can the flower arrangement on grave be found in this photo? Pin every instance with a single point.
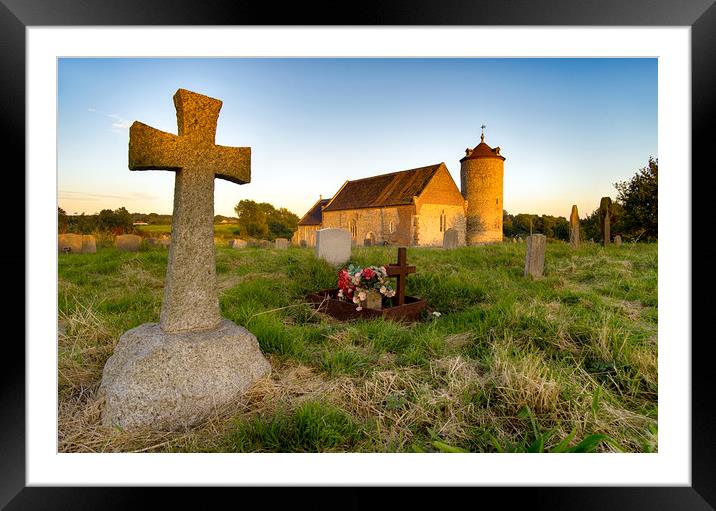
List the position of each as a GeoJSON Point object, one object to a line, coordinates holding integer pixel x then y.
{"type": "Point", "coordinates": [356, 284]}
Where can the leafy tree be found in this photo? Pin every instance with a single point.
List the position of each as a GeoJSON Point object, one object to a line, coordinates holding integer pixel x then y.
{"type": "Point", "coordinates": [252, 218]}
{"type": "Point", "coordinates": [62, 221]}
{"type": "Point", "coordinates": [639, 199]}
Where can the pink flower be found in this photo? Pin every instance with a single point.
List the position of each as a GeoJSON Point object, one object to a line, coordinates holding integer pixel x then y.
{"type": "Point", "coordinates": [368, 273]}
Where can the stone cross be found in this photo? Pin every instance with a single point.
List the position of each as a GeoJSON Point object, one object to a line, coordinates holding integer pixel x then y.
{"type": "Point", "coordinates": [574, 227]}
{"type": "Point", "coordinates": [401, 271]}
{"type": "Point", "coordinates": [191, 300]}
{"type": "Point", "coordinates": [605, 206]}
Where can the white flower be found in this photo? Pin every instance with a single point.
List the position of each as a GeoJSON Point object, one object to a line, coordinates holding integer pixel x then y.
{"type": "Point", "coordinates": [340, 293]}
{"type": "Point", "coordinates": [437, 314]}
{"type": "Point", "coordinates": [362, 295]}
{"type": "Point", "coordinates": [383, 289]}
{"type": "Point", "coordinates": [355, 299]}
{"type": "Point", "coordinates": [359, 308]}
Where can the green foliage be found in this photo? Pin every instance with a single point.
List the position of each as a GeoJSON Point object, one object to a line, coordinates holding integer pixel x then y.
{"type": "Point", "coordinates": [639, 198]}
{"type": "Point", "coordinates": [262, 220]}
{"type": "Point", "coordinates": [524, 224]}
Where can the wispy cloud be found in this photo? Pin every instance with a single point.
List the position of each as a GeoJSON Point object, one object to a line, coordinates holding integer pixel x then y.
{"type": "Point", "coordinates": [88, 196]}
{"type": "Point", "coordinates": [118, 123]}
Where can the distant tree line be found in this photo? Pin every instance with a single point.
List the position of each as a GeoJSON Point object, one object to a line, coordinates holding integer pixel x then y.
{"type": "Point", "coordinates": [522, 224]}
{"type": "Point", "coordinates": [115, 222]}
{"type": "Point", "coordinates": [262, 220]}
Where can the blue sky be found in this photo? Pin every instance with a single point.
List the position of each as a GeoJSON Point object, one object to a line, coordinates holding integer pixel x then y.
{"type": "Point", "coordinates": [569, 128]}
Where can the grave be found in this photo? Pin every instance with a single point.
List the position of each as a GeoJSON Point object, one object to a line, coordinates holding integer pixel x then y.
{"type": "Point", "coordinates": [605, 206]}
{"type": "Point", "coordinates": [534, 257]}
{"type": "Point", "coordinates": [69, 243]}
{"type": "Point", "coordinates": [281, 243]}
{"type": "Point", "coordinates": [172, 374]}
{"type": "Point", "coordinates": [128, 242]}
{"type": "Point", "coordinates": [405, 308]}
{"type": "Point", "coordinates": [333, 245]}
{"type": "Point", "coordinates": [574, 227]}
{"type": "Point", "coordinates": [265, 244]}
{"type": "Point", "coordinates": [450, 239]}
{"type": "Point", "coordinates": [367, 242]}
{"type": "Point", "coordinates": [617, 241]}
{"type": "Point", "coordinates": [237, 243]}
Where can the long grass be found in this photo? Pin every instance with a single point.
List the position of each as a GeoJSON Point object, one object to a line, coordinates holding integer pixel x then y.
{"type": "Point", "coordinates": [563, 363]}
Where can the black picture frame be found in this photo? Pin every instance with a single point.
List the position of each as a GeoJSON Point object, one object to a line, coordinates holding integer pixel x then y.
{"type": "Point", "coordinates": [700, 15]}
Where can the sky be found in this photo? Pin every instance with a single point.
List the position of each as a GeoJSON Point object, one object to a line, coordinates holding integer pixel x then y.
{"type": "Point", "coordinates": [569, 128]}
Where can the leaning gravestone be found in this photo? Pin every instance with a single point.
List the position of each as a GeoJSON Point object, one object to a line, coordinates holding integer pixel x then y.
{"type": "Point", "coordinates": [534, 258]}
{"type": "Point", "coordinates": [281, 243]}
{"type": "Point", "coordinates": [69, 243]}
{"type": "Point", "coordinates": [173, 374]}
{"type": "Point", "coordinates": [617, 241]}
{"type": "Point", "coordinates": [333, 245]}
{"type": "Point", "coordinates": [450, 239]}
{"type": "Point", "coordinates": [605, 206]}
{"type": "Point", "coordinates": [574, 227]}
{"type": "Point", "coordinates": [128, 242]}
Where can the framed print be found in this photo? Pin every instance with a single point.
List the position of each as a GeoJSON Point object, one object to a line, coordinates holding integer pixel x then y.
{"type": "Point", "coordinates": [41, 40]}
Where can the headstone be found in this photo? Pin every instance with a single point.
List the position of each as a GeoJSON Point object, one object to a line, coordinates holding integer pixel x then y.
{"type": "Point", "coordinates": [618, 240]}
{"type": "Point", "coordinates": [401, 270]}
{"type": "Point", "coordinates": [265, 244]}
{"type": "Point", "coordinates": [173, 374]}
{"type": "Point", "coordinates": [534, 258]}
{"type": "Point", "coordinates": [237, 243]}
{"type": "Point", "coordinates": [152, 242]}
{"type": "Point", "coordinates": [514, 240]}
{"type": "Point", "coordinates": [128, 242]}
{"type": "Point", "coordinates": [333, 245]}
{"type": "Point", "coordinates": [450, 239]}
{"type": "Point", "coordinates": [605, 207]}
{"type": "Point", "coordinates": [367, 242]}
{"type": "Point", "coordinates": [281, 243]}
{"type": "Point", "coordinates": [574, 227]}
{"type": "Point", "coordinates": [69, 243]}
{"type": "Point", "coordinates": [304, 244]}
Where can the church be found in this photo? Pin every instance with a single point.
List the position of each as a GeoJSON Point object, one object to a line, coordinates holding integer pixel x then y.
{"type": "Point", "coordinates": [415, 207]}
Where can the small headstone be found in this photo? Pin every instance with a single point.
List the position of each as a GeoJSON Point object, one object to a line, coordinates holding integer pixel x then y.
{"type": "Point", "coordinates": [152, 242]}
{"type": "Point", "coordinates": [514, 240]}
{"type": "Point", "coordinates": [304, 244]}
{"type": "Point", "coordinates": [128, 242]}
{"type": "Point", "coordinates": [450, 239]}
{"type": "Point", "coordinates": [237, 243]}
{"type": "Point", "coordinates": [281, 243]}
{"type": "Point", "coordinates": [605, 206]}
{"type": "Point", "coordinates": [618, 240]}
{"type": "Point", "coordinates": [69, 243]}
{"type": "Point", "coordinates": [534, 258]}
{"type": "Point", "coordinates": [367, 242]}
{"type": "Point", "coordinates": [574, 227]}
{"type": "Point", "coordinates": [265, 244]}
{"type": "Point", "coordinates": [333, 245]}
{"type": "Point", "coordinates": [89, 244]}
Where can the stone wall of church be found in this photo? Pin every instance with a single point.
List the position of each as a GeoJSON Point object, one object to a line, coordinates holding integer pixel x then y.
{"type": "Point", "coordinates": [430, 227]}
{"type": "Point", "coordinates": [391, 224]}
{"type": "Point", "coordinates": [307, 233]}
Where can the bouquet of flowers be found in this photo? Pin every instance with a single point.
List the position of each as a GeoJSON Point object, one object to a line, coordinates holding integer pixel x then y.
{"type": "Point", "coordinates": [354, 283]}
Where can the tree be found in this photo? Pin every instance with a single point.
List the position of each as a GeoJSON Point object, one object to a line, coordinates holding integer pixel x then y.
{"type": "Point", "coordinates": [62, 221]}
{"type": "Point", "coordinates": [252, 218]}
{"type": "Point", "coordinates": [638, 198]}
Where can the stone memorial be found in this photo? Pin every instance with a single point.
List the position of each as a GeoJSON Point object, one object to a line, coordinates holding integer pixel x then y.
{"type": "Point", "coordinates": [89, 244]}
{"type": "Point", "coordinates": [152, 242]}
{"type": "Point", "coordinates": [333, 245]}
{"type": "Point", "coordinates": [128, 242]}
{"type": "Point", "coordinates": [281, 243]}
{"type": "Point", "coordinates": [303, 243]}
{"type": "Point", "coordinates": [574, 227]}
{"type": "Point", "coordinates": [534, 257]}
{"type": "Point", "coordinates": [367, 242]}
{"type": "Point", "coordinates": [617, 241]}
{"type": "Point", "coordinates": [605, 207]}
{"type": "Point", "coordinates": [69, 243]}
{"type": "Point", "coordinates": [173, 374]}
{"type": "Point", "coordinates": [450, 239]}
{"type": "Point", "coordinates": [265, 244]}
{"type": "Point", "coordinates": [237, 243]}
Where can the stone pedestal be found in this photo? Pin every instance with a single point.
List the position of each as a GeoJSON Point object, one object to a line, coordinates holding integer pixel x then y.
{"type": "Point", "coordinates": [534, 258]}
{"type": "Point", "coordinates": [171, 381]}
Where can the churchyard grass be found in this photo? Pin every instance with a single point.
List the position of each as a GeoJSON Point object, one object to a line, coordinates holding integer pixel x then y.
{"type": "Point", "coordinates": [510, 364]}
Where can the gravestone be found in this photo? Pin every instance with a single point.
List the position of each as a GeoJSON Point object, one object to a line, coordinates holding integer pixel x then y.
{"type": "Point", "coordinates": [333, 245]}
{"type": "Point", "coordinates": [605, 207]}
{"type": "Point", "coordinates": [281, 243]}
{"type": "Point", "coordinates": [514, 240]}
{"type": "Point", "coordinates": [401, 270]}
{"type": "Point", "coordinates": [367, 242]}
{"type": "Point", "coordinates": [173, 374]}
{"type": "Point", "coordinates": [89, 244]}
{"type": "Point", "coordinates": [534, 257]}
{"type": "Point", "coordinates": [574, 227]}
{"type": "Point", "coordinates": [265, 244]}
{"type": "Point", "coordinates": [152, 242]}
{"type": "Point", "coordinates": [303, 244]}
{"type": "Point", "coordinates": [69, 243]}
{"type": "Point", "coordinates": [450, 239]}
{"type": "Point", "coordinates": [237, 243]}
{"type": "Point", "coordinates": [128, 242]}
{"type": "Point", "coordinates": [617, 241]}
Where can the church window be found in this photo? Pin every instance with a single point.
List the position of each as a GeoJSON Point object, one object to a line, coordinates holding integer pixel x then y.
{"type": "Point", "coordinates": [354, 228]}
{"type": "Point", "coordinates": [443, 221]}
{"type": "Point", "coordinates": [391, 227]}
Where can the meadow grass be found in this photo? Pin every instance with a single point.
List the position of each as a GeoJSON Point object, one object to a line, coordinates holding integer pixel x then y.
{"type": "Point", "coordinates": [567, 362]}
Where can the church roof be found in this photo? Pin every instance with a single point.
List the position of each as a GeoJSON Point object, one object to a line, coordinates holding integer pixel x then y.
{"type": "Point", "coordinates": [482, 150]}
{"type": "Point", "coordinates": [394, 189]}
{"type": "Point", "coordinates": [314, 216]}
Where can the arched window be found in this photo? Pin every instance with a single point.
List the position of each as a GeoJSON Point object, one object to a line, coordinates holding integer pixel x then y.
{"type": "Point", "coordinates": [354, 228]}
{"type": "Point", "coordinates": [391, 227]}
{"type": "Point", "coordinates": [443, 221]}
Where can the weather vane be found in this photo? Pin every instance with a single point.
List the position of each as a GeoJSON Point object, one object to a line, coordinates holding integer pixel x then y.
{"type": "Point", "coordinates": [482, 137]}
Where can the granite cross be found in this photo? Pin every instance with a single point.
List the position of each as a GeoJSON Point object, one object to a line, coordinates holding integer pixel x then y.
{"type": "Point", "coordinates": [190, 296]}
{"type": "Point", "coordinates": [401, 271]}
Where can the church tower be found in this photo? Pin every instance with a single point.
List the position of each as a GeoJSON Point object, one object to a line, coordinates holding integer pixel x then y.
{"type": "Point", "coordinates": [481, 176]}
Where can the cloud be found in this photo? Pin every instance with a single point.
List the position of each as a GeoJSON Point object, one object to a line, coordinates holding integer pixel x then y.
{"type": "Point", "coordinates": [119, 121]}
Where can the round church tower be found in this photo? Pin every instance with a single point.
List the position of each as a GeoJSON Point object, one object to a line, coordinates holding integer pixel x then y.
{"type": "Point", "coordinates": [481, 173]}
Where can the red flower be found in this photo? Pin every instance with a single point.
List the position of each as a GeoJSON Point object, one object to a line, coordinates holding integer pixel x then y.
{"type": "Point", "coordinates": [368, 273]}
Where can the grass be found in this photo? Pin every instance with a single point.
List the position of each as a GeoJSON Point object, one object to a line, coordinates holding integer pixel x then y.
{"type": "Point", "coordinates": [565, 363]}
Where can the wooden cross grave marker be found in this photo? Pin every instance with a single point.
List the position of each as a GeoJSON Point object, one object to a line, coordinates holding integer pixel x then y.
{"type": "Point", "coordinates": [191, 300]}
{"type": "Point", "coordinates": [401, 271]}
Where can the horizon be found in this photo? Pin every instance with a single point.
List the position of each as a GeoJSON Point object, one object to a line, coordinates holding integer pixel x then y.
{"type": "Point", "coordinates": [569, 128]}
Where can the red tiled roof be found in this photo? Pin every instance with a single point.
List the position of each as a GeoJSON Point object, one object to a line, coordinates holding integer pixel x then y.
{"type": "Point", "coordinates": [482, 150]}
{"type": "Point", "coordinates": [394, 189]}
{"type": "Point", "coordinates": [314, 216]}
